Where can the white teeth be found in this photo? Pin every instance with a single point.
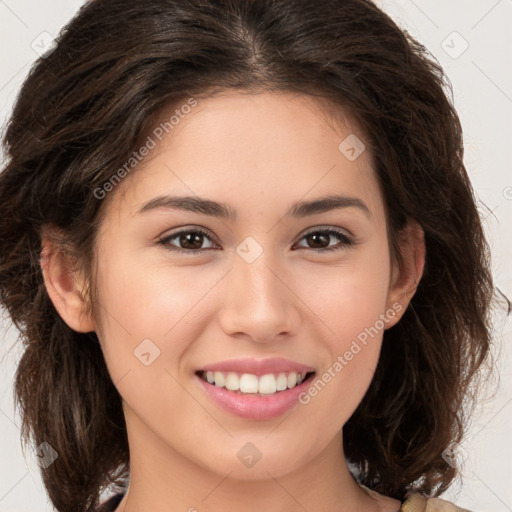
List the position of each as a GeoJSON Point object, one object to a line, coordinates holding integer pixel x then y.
{"type": "Point", "coordinates": [248, 383]}
{"type": "Point", "coordinates": [219, 379]}
{"type": "Point", "coordinates": [232, 382]}
{"type": "Point", "coordinates": [291, 380]}
{"type": "Point", "coordinates": [281, 382]}
{"type": "Point", "coordinates": [267, 384]}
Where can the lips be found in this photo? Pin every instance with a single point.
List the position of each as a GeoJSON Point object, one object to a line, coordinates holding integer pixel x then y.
{"type": "Point", "coordinates": [255, 389]}
{"type": "Point", "coordinates": [258, 366]}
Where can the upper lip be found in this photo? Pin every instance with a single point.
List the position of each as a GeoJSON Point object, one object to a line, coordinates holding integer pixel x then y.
{"type": "Point", "coordinates": [258, 366]}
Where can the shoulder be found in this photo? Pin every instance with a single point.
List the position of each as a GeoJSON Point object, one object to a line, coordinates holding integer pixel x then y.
{"type": "Point", "coordinates": [418, 503]}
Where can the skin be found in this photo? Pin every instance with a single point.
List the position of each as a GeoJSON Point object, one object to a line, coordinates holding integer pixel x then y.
{"type": "Point", "coordinates": [258, 153]}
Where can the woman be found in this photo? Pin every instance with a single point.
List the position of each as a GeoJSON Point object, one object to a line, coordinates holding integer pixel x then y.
{"type": "Point", "coordinates": [244, 253]}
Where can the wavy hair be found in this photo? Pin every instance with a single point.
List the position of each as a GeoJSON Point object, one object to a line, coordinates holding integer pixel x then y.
{"type": "Point", "coordinates": [85, 108]}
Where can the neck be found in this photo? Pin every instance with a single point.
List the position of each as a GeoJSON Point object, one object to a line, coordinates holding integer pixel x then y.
{"type": "Point", "coordinates": [162, 479]}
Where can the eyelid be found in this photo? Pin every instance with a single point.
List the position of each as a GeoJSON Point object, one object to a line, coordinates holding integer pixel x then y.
{"type": "Point", "coordinates": [188, 228]}
{"type": "Point", "coordinates": [328, 227]}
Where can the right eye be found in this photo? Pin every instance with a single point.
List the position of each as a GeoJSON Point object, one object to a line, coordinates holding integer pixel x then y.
{"type": "Point", "coordinates": [190, 237]}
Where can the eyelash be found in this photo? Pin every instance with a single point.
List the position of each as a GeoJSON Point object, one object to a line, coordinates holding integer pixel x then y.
{"type": "Point", "coordinates": [347, 241]}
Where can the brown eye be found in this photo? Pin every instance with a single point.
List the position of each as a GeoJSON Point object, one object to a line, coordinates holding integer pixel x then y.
{"type": "Point", "coordinates": [188, 241]}
{"type": "Point", "coordinates": [321, 237]}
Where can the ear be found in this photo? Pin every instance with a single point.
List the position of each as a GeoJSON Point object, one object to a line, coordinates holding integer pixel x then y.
{"type": "Point", "coordinates": [64, 285]}
{"type": "Point", "coordinates": [405, 280]}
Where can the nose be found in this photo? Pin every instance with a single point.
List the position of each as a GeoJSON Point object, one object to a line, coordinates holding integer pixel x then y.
{"type": "Point", "coordinates": [258, 302]}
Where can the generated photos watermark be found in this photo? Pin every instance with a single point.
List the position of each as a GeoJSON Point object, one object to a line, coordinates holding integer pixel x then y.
{"type": "Point", "coordinates": [342, 360]}
{"type": "Point", "coordinates": [151, 143]}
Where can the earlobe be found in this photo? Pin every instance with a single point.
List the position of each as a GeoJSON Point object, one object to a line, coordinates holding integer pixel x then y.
{"type": "Point", "coordinates": [64, 287]}
{"type": "Point", "coordinates": [405, 280]}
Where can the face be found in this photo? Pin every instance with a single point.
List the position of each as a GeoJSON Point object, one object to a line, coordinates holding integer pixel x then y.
{"type": "Point", "coordinates": [267, 289]}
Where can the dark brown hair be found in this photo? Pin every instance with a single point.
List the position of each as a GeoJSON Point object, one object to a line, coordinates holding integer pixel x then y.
{"type": "Point", "coordinates": [85, 108]}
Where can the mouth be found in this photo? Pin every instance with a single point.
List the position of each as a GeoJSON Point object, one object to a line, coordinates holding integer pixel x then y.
{"type": "Point", "coordinates": [256, 385]}
{"type": "Point", "coordinates": [255, 389]}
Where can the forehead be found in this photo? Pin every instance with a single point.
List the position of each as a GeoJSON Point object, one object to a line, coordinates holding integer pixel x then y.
{"type": "Point", "coordinates": [255, 152]}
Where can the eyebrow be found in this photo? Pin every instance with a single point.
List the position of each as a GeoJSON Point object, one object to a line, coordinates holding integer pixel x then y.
{"type": "Point", "coordinates": [221, 210]}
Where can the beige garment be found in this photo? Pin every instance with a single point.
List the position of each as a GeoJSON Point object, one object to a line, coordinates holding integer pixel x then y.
{"type": "Point", "coordinates": [416, 502]}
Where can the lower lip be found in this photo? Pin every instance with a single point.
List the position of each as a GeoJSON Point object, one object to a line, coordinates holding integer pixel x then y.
{"type": "Point", "coordinates": [255, 407]}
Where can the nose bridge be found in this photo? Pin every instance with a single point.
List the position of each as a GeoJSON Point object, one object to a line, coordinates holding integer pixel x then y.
{"type": "Point", "coordinates": [257, 302]}
{"type": "Point", "coordinates": [259, 278]}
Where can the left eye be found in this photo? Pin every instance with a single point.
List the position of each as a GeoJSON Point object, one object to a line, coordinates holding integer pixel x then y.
{"type": "Point", "coordinates": [321, 235]}
{"type": "Point", "coordinates": [191, 240]}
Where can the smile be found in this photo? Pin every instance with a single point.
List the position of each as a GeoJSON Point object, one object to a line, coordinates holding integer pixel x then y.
{"type": "Point", "coordinates": [249, 383]}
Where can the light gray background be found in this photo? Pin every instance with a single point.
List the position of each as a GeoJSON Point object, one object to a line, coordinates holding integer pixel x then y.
{"type": "Point", "coordinates": [482, 80]}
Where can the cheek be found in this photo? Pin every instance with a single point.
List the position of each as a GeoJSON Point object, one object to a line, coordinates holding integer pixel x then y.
{"type": "Point", "coordinates": [351, 301]}
{"type": "Point", "coordinates": [143, 300]}
{"type": "Point", "coordinates": [348, 297]}
{"type": "Point", "coordinates": [149, 320]}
